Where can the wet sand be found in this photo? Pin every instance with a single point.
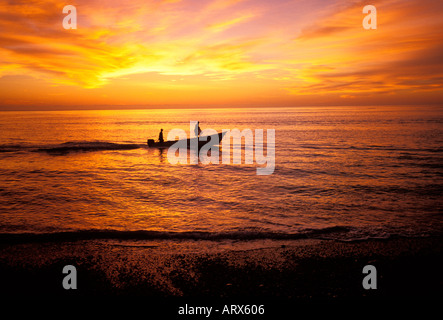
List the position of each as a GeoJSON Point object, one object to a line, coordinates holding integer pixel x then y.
{"type": "Point", "coordinates": [303, 270]}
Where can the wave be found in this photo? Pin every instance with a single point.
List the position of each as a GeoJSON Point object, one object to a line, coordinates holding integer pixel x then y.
{"type": "Point", "coordinates": [368, 148]}
{"type": "Point", "coordinates": [68, 147]}
{"type": "Point", "coordinates": [341, 233]}
{"type": "Point", "coordinates": [158, 235]}
{"type": "Point", "coordinates": [71, 146]}
{"type": "Point", "coordinates": [84, 146]}
{"type": "Point", "coordinates": [11, 147]}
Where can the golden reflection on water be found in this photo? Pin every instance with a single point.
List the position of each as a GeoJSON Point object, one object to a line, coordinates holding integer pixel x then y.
{"type": "Point", "coordinates": [372, 168]}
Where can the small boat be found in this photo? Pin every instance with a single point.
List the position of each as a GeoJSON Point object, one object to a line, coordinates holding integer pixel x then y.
{"type": "Point", "coordinates": [213, 140]}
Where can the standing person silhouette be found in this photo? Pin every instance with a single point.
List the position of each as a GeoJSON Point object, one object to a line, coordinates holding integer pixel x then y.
{"type": "Point", "coordinates": [160, 136]}
{"type": "Point", "coordinates": [197, 129]}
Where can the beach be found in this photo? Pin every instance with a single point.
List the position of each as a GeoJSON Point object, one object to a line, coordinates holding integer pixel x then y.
{"type": "Point", "coordinates": [298, 271]}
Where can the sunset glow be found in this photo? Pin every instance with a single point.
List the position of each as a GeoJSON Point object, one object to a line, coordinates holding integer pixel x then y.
{"type": "Point", "coordinates": [219, 53]}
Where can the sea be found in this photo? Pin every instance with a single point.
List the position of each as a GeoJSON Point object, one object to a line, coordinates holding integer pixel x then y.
{"type": "Point", "coordinates": [341, 173]}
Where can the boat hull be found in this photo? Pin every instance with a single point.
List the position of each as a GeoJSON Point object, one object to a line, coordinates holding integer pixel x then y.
{"type": "Point", "coordinates": [213, 140]}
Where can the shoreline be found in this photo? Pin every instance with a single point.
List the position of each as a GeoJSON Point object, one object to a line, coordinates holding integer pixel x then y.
{"type": "Point", "coordinates": [298, 270]}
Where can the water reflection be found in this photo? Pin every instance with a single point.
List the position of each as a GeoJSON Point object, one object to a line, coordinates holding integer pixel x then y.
{"type": "Point", "coordinates": [162, 155]}
{"type": "Point", "coordinates": [376, 170]}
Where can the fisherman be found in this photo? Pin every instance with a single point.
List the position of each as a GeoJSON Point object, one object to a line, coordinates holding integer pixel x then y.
{"type": "Point", "coordinates": [160, 136]}
{"type": "Point", "coordinates": [197, 129]}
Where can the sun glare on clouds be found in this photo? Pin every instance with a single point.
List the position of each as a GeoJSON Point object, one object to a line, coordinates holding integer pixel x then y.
{"type": "Point", "coordinates": [281, 51]}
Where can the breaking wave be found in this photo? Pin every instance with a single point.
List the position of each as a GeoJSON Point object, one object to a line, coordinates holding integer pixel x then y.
{"type": "Point", "coordinates": [341, 233]}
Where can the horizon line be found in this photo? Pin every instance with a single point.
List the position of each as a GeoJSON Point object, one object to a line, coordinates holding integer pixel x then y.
{"type": "Point", "coordinates": [175, 107]}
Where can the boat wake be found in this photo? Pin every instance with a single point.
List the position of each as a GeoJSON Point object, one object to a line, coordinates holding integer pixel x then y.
{"type": "Point", "coordinates": [85, 146]}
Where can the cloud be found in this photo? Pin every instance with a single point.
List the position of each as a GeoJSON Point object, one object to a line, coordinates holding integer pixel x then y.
{"type": "Point", "coordinates": [114, 40]}
{"type": "Point", "coordinates": [218, 5]}
{"type": "Point", "coordinates": [403, 54]}
{"type": "Point", "coordinates": [305, 48]}
{"type": "Point", "coordinates": [221, 26]}
{"type": "Point", "coordinates": [322, 31]}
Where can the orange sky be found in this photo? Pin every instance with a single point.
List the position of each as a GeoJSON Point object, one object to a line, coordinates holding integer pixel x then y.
{"type": "Point", "coordinates": [196, 53]}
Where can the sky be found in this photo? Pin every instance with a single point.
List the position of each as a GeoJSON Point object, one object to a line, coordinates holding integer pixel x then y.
{"type": "Point", "coordinates": [219, 53]}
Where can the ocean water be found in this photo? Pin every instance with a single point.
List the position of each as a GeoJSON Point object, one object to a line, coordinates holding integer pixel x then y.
{"type": "Point", "coordinates": [345, 173]}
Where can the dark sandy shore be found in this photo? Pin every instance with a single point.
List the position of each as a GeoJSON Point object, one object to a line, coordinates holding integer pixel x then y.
{"type": "Point", "coordinates": [304, 270]}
